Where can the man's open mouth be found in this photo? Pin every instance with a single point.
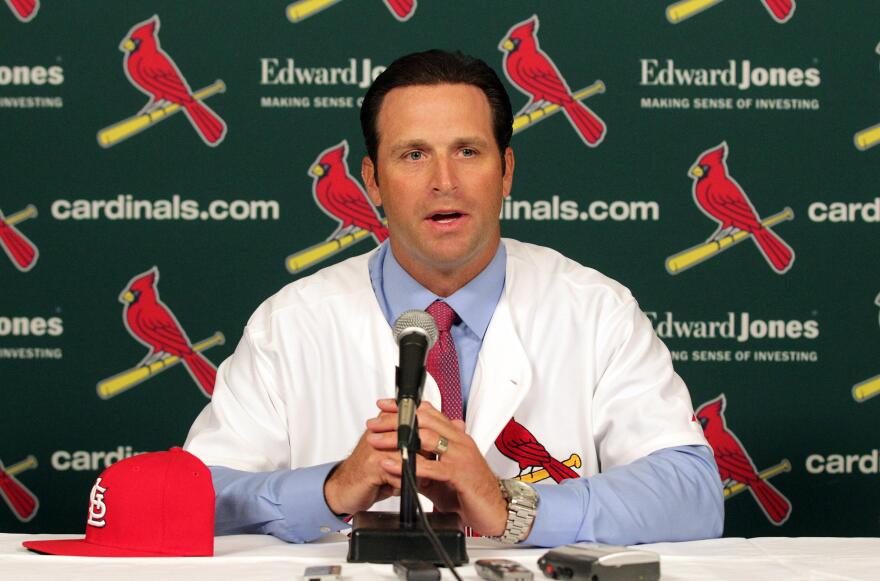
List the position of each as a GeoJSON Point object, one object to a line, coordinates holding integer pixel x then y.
{"type": "Point", "coordinates": [445, 216]}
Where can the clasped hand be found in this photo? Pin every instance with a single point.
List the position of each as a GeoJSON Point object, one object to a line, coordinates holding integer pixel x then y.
{"type": "Point", "coordinates": [457, 481]}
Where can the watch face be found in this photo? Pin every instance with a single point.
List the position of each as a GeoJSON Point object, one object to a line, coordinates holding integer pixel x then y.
{"type": "Point", "coordinates": [520, 490]}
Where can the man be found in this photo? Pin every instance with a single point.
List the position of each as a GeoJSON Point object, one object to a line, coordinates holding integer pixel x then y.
{"type": "Point", "coordinates": [557, 366]}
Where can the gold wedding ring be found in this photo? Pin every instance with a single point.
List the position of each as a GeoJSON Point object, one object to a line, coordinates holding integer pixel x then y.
{"type": "Point", "coordinates": [442, 446]}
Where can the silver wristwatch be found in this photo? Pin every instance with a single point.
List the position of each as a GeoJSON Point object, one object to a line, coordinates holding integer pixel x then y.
{"type": "Point", "coordinates": [522, 505]}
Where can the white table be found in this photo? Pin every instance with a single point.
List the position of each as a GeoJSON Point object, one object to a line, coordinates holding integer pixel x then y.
{"type": "Point", "coordinates": [253, 557]}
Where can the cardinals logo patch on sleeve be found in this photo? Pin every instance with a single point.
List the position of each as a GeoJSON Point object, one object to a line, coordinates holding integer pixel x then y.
{"type": "Point", "coordinates": [152, 71]}
{"type": "Point", "coordinates": [153, 324]}
{"type": "Point", "coordinates": [535, 462]}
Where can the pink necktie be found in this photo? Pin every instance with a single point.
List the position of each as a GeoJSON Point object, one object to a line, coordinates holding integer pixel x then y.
{"type": "Point", "coordinates": [442, 361]}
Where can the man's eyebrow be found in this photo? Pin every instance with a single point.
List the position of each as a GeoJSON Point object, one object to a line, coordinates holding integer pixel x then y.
{"type": "Point", "coordinates": [421, 143]}
{"type": "Point", "coordinates": [409, 144]}
{"type": "Point", "coordinates": [475, 140]}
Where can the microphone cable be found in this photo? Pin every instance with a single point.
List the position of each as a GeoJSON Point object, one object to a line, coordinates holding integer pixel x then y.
{"type": "Point", "coordinates": [432, 536]}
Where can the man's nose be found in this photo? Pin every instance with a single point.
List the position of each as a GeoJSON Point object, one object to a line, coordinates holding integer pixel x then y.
{"type": "Point", "coordinates": [444, 179]}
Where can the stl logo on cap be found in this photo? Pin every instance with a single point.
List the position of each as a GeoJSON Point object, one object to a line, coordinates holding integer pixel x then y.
{"type": "Point", "coordinates": [17, 246]}
{"type": "Point", "coordinates": [342, 198]}
{"type": "Point", "coordinates": [722, 199]}
{"type": "Point", "coordinates": [153, 324]}
{"type": "Point", "coordinates": [159, 504]}
{"type": "Point", "coordinates": [517, 443]}
{"type": "Point", "coordinates": [302, 9]}
{"type": "Point", "coordinates": [868, 138]}
{"type": "Point", "coordinates": [151, 71]}
{"type": "Point", "coordinates": [24, 10]}
{"type": "Point", "coordinates": [531, 71]}
{"type": "Point", "coordinates": [97, 508]}
{"type": "Point", "coordinates": [736, 467]}
{"type": "Point", "coordinates": [23, 502]}
{"type": "Point", "coordinates": [780, 10]}
{"type": "Point", "coordinates": [865, 390]}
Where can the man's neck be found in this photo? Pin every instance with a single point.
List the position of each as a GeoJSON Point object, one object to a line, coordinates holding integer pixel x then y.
{"type": "Point", "coordinates": [444, 282]}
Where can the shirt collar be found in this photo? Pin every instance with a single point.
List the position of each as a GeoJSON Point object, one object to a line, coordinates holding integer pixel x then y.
{"type": "Point", "coordinates": [474, 303]}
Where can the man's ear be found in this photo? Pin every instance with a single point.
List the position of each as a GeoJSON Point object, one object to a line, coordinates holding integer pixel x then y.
{"type": "Point", "coordinates": [507, 178]}
{"type": "Point", "coordinates": [368, 175]}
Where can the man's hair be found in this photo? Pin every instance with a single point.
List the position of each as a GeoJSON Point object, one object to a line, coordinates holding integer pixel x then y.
{"type": "Point", "coordinates": [438, 67]}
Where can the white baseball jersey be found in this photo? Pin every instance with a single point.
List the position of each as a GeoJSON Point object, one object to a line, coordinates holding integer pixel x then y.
{"type": "Point", "coordinates": [568, 354]}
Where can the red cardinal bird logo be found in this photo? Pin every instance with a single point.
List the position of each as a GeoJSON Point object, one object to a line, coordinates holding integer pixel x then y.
{"type": "Point", "coordinates": [734, 464]}
{"type": "Point", "coordinates": [342, 197]}
{"type": "Point", "coordinates": [17, 496]}
{"type": "Point", "coordinates": [531, 71]}
{"type": "Point", "coordinates": [402, 9]}
{"type": "Point", "coordinates": [20, 250]}
{"type": "Point", "coordinates": [780, 10]}
{"type": "Point", "coordinates": [151, 70]}
{"type": "Point", "coordinates": [24, 10]}
{"type": "Point", "coordinates": [153, 324]}
{"type": "Point", "coordinates": [721, 198]}
{"type": "Point", "coordinates": [518, 444]}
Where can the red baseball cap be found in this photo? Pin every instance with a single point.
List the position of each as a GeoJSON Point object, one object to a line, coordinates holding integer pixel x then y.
{"type": "Point", "coordinates": [159, 504]}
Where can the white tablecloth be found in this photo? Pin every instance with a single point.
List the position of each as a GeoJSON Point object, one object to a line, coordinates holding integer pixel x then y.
{"type": "Point", "coordinates": [252, 557]}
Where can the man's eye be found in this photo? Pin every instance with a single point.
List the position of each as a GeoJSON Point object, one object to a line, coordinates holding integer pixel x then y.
{"type": "Point", "coordinates": [414, 155]}
{"type": "Point", "coordinates": [468, 152]}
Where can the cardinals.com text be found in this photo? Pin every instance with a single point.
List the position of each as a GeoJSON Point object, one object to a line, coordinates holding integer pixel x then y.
{"type": "Point", "coordinates": [570, 210]}
{"type": "Point", "coordinates": [127, 207]}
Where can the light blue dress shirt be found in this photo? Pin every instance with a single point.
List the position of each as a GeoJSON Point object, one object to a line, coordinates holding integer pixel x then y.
{"type": "Point", "coordinates": [674, 494]}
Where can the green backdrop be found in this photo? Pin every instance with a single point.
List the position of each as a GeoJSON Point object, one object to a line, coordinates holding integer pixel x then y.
{"type": "Point", "coordinates": [220, 221]}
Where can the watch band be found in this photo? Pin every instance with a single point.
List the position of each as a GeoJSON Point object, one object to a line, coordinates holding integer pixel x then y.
{"type": "Point", "coordinates": [522, 505]}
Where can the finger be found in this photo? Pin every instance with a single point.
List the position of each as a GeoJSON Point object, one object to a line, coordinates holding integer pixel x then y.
{"type": "Point", "coordinates": [429, 439]}
{"type": "Point", "coordinates": [426, 405]}
{"type": "Point", "coordinates": [439, 424]}
{"type": "Point", "coordinates": [382, 440]}
{"type": "Point", "coordinates": [425, 469]}
{"type": "Point", "coordinates": [385, 422]}
{"type": "Point", "coordinates": [387, 405]}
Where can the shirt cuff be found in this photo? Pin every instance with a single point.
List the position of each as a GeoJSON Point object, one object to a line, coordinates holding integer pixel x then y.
{"type": "Point", "coordinates": [561, 511]}
{"type": "Point", "coordinates": [299, 496]}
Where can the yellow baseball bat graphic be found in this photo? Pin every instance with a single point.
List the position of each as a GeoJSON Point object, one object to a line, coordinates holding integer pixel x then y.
{"type": "Point", "coordinates": [706, 250]}
{"type": "Point", "coordinates": [302, 9]}
{"type": "Point", "coordinates": [29, 212]}
{"type": "Point", "coordinates": [684, 9]}
{"type": "Point", "coordinates": [574, 461]}
{"type": "Point", "coordinates": [133, 125]}
{"type": "Point", "coordinates": [314, 254]}
{"type": "Point", "coordinates": [867, 138]}
{"type": "Point", "coordinates": [734, 489]}
{"type": "Point", "coordinates": [867, 389]}
{"type": "Point", "coordinates": [523, 121]}
{"type": "Point", "coordinates": [124, 381]}
{"type": "Point", "coordinates": [19, 467]}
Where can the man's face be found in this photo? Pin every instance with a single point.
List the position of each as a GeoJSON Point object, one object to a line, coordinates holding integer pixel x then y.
{"type": "Point", "coordinates": [439, 178]}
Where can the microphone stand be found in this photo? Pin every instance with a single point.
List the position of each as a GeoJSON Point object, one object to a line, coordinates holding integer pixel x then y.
{"type": "Point", "coordinates": [386, 537]}
{"type": "Point", "coordinates": [408, 496]}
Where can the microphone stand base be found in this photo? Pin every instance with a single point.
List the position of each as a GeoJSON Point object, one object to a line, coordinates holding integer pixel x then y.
{"type": "Point", "coordinates": [379, 537]}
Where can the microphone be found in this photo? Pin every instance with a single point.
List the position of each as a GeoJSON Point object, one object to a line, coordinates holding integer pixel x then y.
{"type": "Point", "coordinates": [415, 332]}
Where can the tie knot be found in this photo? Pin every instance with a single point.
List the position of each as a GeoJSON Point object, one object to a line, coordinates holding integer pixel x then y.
{"type": "Point", "coordinates": [443, 314]}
